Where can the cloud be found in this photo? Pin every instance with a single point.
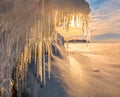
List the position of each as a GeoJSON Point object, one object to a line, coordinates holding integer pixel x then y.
{"type": "Point", "coordinates": [108, 36]}
{"type": "Point", "coordinates": [106, 18]}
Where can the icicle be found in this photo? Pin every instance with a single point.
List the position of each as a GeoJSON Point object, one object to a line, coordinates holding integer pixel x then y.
{"type": "Point", "coordinates": [43, 63]}
{"type": "Point", "coordinates": [49, 60]}
{"type": "Point", "coordinates": [40, 60]}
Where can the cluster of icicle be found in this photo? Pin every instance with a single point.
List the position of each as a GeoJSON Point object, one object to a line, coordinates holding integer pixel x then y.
{"type": "Point", "coordinates": [35, 45]}
{"type": "Point", "coordinates": [64, 17]}
{"type": "Point", "coordinates": [37, 48]}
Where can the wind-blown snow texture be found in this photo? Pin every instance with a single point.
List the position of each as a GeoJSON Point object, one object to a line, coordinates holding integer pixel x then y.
{"type": "Point", "coordinates": [88, 70]}
{"type": "Point", "coordinates": [93, 70]}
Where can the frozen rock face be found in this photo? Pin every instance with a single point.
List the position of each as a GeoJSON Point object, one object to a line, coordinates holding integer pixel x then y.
{"type": "Point", "coordinates": [59, 42]}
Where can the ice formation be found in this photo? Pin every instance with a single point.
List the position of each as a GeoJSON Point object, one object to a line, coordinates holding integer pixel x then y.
{"type": "Point", "coordinates": [28, 29]}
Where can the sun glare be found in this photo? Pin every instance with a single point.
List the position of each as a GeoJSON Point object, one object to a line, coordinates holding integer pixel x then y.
{"type": "Point", "coordinates": [72, 22]}
{"type": "Point", "coordinates": [75, 23]}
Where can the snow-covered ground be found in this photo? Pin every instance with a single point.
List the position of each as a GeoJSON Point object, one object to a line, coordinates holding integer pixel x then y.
{"type": "Point", "coordinates": [92, 70]}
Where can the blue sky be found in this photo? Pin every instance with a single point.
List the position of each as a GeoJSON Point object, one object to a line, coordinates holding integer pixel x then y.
{"type": "Point", "coordinates": [95, 3]}
{"type": "Point", "coordinates": [105, 20]}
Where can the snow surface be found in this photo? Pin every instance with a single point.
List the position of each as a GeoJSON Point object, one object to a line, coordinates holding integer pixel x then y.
{"type": "Point", "coordinates": [98, 67]}
{"type": "Point", "coordinates": [87, 70]}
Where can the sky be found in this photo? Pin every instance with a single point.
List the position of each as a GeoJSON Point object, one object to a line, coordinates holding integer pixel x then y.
{"type": "Point", "coordinates": [105, 20]}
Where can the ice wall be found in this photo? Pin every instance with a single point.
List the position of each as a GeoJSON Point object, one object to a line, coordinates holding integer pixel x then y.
{"type": "Point", "coordinates": [16, 18]}
{"type": "Point", "coordinates": [26, 27]}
